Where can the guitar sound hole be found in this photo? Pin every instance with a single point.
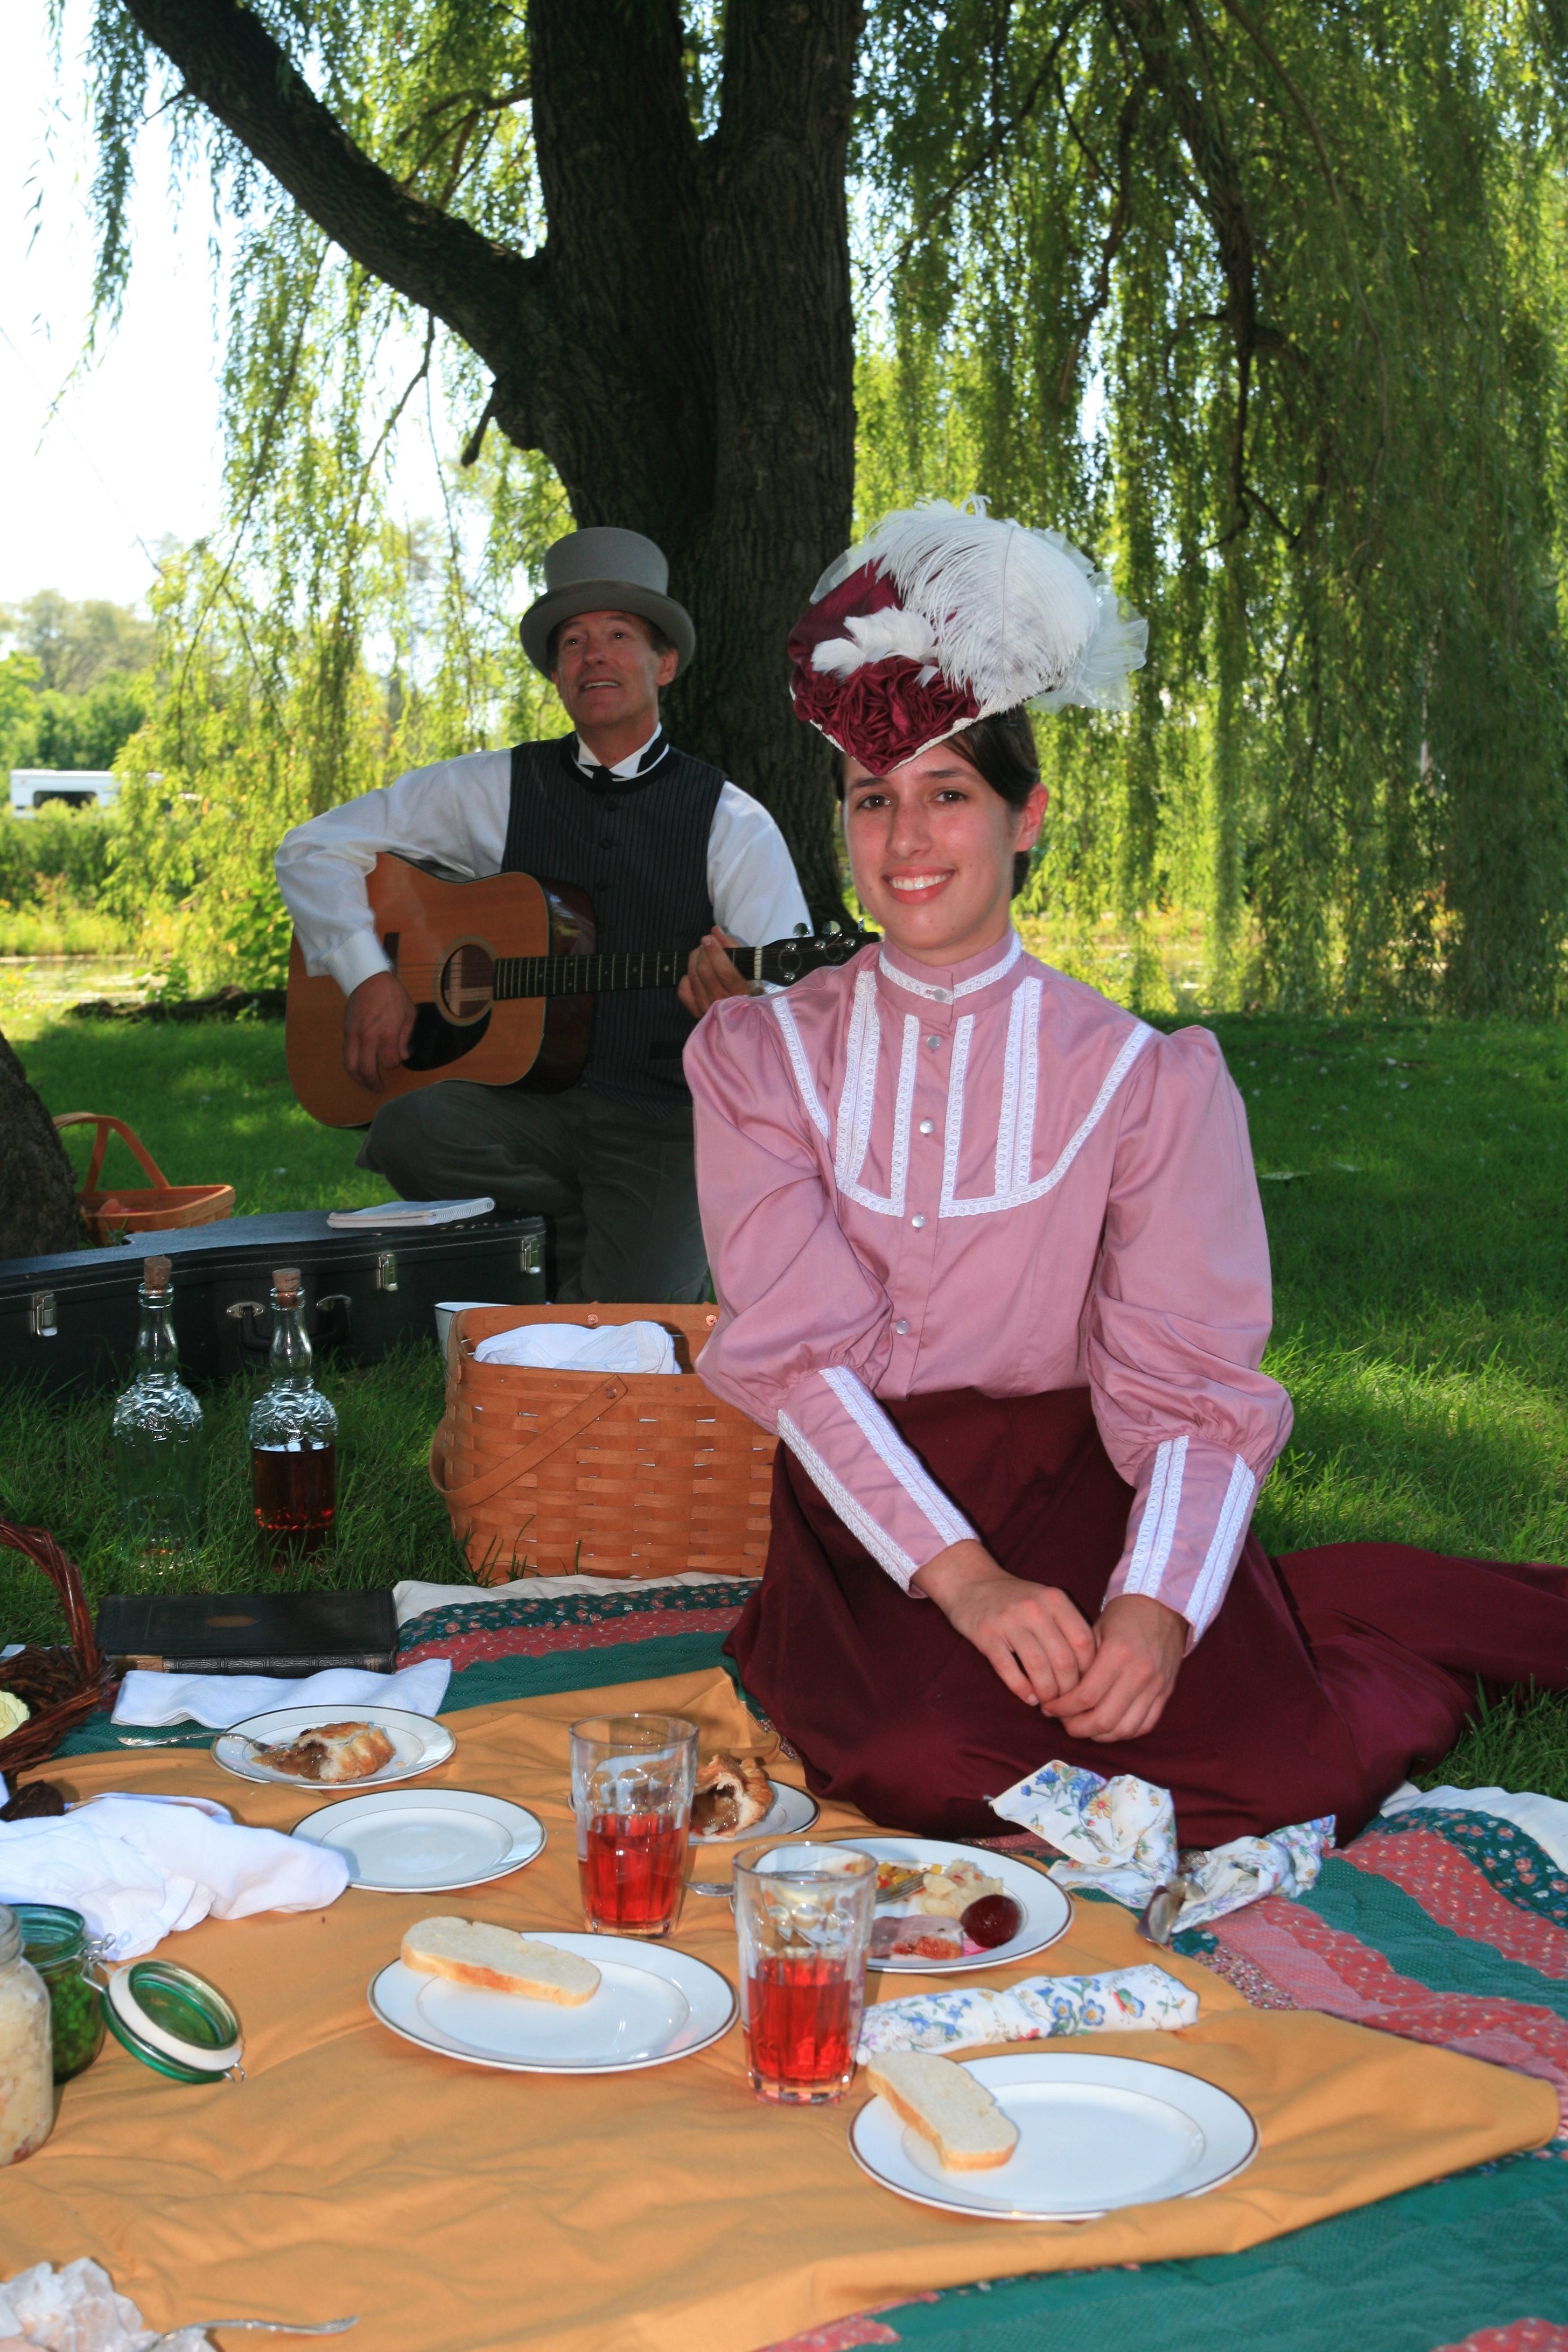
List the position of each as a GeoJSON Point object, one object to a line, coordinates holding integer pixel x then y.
{"type": "Point", "coordinates": [435, 1042]}
{"type": "Point", "coordinates": [468, 981]}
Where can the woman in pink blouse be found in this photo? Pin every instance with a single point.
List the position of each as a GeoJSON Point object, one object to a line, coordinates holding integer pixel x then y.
{"type": "Point", "coordinates": [990, 1257]}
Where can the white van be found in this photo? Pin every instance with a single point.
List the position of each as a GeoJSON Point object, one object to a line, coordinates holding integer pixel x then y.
{"type": "Point", "coordinates": [31, 788]}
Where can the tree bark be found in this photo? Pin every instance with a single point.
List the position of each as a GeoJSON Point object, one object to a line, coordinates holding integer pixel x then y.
{"type": "Point", "coordinates": [37, 1190]}
{"type": "Point", "coordinates": [681, 348]}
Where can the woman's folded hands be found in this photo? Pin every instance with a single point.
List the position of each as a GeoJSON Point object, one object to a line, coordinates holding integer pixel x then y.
{"type": "Point", "coordinates": [1105, 1682]}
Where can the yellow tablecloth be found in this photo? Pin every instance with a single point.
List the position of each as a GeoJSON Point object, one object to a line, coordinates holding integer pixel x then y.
{"type": "Point", "coordinates": [458, 2210]}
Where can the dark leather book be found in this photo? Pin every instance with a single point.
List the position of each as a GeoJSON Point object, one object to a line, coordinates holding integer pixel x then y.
{"type": "Point", "coordinates": [249, 1632]}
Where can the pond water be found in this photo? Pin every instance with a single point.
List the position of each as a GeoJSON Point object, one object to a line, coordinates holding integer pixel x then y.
{"type": "Point", "coordinates": [36, 989]}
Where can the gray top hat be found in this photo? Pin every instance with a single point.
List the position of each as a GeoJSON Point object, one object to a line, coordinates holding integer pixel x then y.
{"type": "Point", "coordinates": [605, 572]}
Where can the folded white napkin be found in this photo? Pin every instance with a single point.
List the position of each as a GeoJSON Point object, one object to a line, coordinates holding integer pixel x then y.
{"type": "Point", "coordinates": [1118, 2000]}
{"type": "Point", "coordinates": [218, 1700]}
{"type": "Point", "coordinates": [137, 1868]}
{"type": "Point", "coordinates": [392, 1214]}
{"type": "Point", "coordinates": [1119, 1837]}
{"type": "Point", "coordinates": [574, 1348]}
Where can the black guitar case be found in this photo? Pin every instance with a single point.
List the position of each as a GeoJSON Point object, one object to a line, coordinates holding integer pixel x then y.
{"type": "Point", "coordinates": [70, 1321]}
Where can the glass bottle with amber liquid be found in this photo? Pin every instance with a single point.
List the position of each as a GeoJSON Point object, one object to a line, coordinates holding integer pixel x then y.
{"type": "Point", "coordinates": [293, 1440]}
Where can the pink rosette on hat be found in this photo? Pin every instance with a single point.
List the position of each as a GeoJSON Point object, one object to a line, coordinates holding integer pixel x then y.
{"type": "Point", "coordinates": [944, 615]}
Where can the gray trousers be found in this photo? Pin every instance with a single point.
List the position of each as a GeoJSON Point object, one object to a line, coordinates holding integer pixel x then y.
{"type": "Point", "coordinates": [616, 1182]}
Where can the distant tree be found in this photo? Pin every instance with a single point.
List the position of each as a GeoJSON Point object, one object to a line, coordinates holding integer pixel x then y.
{"type": "Point", "coordinates": [75, 646]}
{"type": "Point", "coordinates": [21, 681]}
{"type": "Point", "coordinates": [75, 690]}
{"type": "Point", "coordinates": [87, 731]}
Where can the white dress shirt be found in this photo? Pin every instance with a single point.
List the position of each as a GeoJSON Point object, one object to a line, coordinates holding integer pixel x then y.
{"type": "Point", "coordinates": [456, 811]}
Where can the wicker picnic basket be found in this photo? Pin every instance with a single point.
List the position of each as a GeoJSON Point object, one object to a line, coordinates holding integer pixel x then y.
{"type": "Point", "coordinates": [152, 1208]}
{"type": "Point", "coordinates": [61, 1685]}
{"type": "Point", "coordinates": [554, 1473]}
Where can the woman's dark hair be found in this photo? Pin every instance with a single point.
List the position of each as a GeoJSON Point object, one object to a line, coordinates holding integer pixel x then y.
{"type": "Point", "coordinates": [1000, 749]}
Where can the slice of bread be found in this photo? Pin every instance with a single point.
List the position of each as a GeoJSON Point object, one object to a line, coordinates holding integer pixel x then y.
{"type": "Point", "coordinates": [945, 2104]}
{"type": "Point", "coordinates": [497, 1959]}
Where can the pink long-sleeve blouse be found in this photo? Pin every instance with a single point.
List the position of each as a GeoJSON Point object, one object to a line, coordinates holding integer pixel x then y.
{"type": "Point", "coordinates": [988, 1177]}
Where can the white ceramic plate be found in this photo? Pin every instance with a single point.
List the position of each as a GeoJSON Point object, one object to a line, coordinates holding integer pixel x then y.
{"type": "Point", "coordinates": [419, 1743]}
{"type": "Point", "coordinates": [425, 1841]}
{"type": "Point", "coordinates": [653, 2005]}
{"type": "Point", "coordinates": [1093, 2133]}
{"type": "Point", "coordinates": [792, 1811]}
{"type": "Point", "coordinates": [1048, 1914]}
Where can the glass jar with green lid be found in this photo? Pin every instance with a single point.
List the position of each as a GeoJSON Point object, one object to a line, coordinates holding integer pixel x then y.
{"type": "Point", "coordinates": [173, 2022]}
{"type": "Point", "coordinates": [65, 1956]}
{"type": "Point", "coordinates": [27, 2087]}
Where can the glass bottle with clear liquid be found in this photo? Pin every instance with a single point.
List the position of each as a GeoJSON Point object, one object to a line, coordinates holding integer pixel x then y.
{"type": "Point", "coordinates": [158, 1434]}
{"type": "Point", "coordinates": [293, 1440]}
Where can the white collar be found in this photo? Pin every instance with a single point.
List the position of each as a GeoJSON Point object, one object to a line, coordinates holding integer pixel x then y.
{"type": "Point", "coordinates": [977, 981]}
{"type": "Point", "coordinates": [627, 767]}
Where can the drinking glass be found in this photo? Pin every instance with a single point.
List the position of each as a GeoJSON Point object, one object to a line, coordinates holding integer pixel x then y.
{"type": "Point", "coordinates": [632, 1779]}
{"type": "Point", "coordinates": [802, 1918]}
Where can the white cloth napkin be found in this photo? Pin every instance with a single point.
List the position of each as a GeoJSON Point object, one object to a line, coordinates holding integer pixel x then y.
{"type": "Point", "coordinates": [137, 1868]}
{"type": "Point", "coordinates": [218, 1700]}
{"type": "Point", "coordinates": [1119, 1837]}
{"type": "Point", "coordinates": [574, 1348]}
{"type": "Point", "coordinates": [390, 1214]}
{"type": "Point", "coordinates": [1118, 2000]}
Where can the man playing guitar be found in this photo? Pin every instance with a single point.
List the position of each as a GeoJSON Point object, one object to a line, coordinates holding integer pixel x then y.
{"type": "Point", "coordinates": [665, 848]}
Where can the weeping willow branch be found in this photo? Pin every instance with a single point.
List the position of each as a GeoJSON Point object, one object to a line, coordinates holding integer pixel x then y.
{"type": "Point", "coordinates": [437, 261]}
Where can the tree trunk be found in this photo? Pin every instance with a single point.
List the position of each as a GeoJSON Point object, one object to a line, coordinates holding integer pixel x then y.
{"type": "Point", "coordinates": [37, 1190]}
{"type": "Point", "coordinates": [681, 348]}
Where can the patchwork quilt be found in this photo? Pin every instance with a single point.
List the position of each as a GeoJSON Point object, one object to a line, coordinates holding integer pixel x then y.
{"type": "Point", "coordinates": [1442, 1923]}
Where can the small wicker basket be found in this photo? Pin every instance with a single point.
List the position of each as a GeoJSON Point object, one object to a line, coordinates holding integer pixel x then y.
{"type": "Point", "coordinates": [557, 1473]}
{"type": "Point", "coordinates": [62, 1685]}
{"type": "Point", "coordinates": [157, 1207]}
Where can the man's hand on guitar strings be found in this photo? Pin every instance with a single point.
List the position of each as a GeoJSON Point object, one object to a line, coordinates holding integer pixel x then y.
{"type": "Point", "coordinates": [378, 1022]}
{"type": "Point", "coordinates": [709, 974]}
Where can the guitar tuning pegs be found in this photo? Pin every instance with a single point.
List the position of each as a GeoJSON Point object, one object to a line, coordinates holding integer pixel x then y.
{"type": "Point", "coordinates": [831, 929]}
{"type": "Point", "coordinates": [803, 931]}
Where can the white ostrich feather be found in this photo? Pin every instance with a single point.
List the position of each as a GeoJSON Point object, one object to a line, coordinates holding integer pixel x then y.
{"type": "Point", "coordinates": [872, 637]}
{"type": "Point", "coordinates": [1019, 616]}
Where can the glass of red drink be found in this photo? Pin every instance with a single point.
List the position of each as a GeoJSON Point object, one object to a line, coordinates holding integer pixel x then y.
{"type": "Point", "coordinates": [803, 1918]}
{"type": "Point", "coordinates": [632, 1779]}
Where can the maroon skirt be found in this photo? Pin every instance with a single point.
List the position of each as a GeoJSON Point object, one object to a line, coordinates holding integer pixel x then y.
{"type": "Point", "coordinates": [1327, 1677]}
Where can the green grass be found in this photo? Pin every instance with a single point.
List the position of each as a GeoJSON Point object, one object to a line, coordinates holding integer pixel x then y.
{"type": "Point", "coordinates": [1414, 1183]}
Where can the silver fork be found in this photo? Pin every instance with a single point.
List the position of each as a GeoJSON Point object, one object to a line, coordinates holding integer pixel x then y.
{"type": "Point", "coordinates": [279, 2327]}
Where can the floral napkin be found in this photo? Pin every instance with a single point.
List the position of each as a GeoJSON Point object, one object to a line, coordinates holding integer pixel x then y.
{"type": "Point", "coordinates": [1120, 2001]}
{"type": "Point", "coordinates": [1119, 1837]}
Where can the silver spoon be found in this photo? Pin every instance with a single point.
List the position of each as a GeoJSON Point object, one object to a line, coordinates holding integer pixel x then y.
{"type": "Point", "coordinates": [280, 2327]}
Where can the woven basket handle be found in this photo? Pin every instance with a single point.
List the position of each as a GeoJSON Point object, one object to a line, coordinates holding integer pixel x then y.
{"type": "Point", "coordinates": [63, 1574]}
{"type": "Point", "coordinates": [568, 1423]}
{"type": "Point", "coordinates": [104, 1120]}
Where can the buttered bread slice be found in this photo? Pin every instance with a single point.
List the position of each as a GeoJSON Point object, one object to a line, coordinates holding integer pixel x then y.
{"type": "Point", "coordinates": [947, 2105]}
{"type": "Point", "coordinates": [497, 1959]}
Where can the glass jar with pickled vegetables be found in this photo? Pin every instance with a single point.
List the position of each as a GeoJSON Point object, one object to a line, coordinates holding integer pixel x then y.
{"type": "Point", "coordinates": [27, 2065]}
{"type": "Point", "coordinates": [56, 1943]}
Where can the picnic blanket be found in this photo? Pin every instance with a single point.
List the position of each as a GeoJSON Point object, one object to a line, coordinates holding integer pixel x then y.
{"type": "Point", "coordinates": [457, 2209]}
{"type": "Point", "coordinates": [1448, 1925]}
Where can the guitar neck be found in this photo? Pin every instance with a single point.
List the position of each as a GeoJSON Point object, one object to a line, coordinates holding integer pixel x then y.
{"type": "Point", "coordinates": [596, 975]}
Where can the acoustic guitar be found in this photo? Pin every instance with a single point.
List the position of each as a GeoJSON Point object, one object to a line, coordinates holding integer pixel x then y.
{"type": "Point", "coordinates": [503, 973]}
